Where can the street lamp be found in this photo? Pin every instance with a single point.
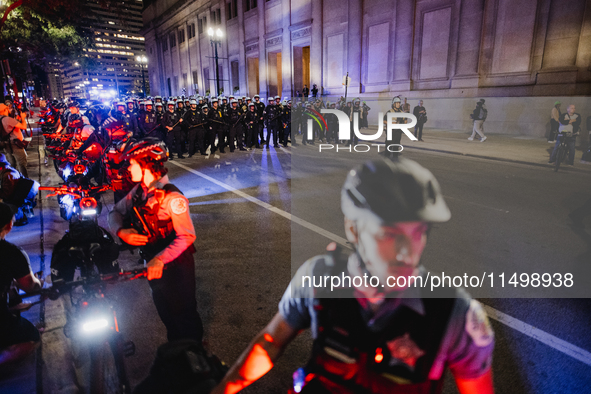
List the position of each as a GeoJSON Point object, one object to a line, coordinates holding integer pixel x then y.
{"type": "Point", "coordinates": [216, 38]}
{"type": "Point", "coordinates": [142, 60]}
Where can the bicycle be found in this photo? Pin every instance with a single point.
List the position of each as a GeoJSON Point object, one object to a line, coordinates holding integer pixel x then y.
{"type": "Point", "coordinates": [92, 320]}
{"type": "Point", "coordinates": [562, 149]}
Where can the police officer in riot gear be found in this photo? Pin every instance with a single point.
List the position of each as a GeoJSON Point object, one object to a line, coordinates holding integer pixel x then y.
{"type": "Point", "coordinates": [252, 126]}
{"type": "Point", "coordinates": [236, 119]}
{"type": "Point", "coordinates": [260, 110]}
{"type": "Point", "coordinates": [195, 126]}
{"type": "Point", "coordinates": [127, 118]}
{"type": "Point", "coordinates": [393, 338]}
{"type": "Point", "coordinates": [274, 125]}
{"type": "Point", "coordinates": [148, 121]}
{"type": "Point", "coordinates": [171, 124]}
{"type": "Point", "coordinates": [286, 122]}
{"type": "Point", "coordinates": [131, 109]}
{"type": "Point", "coordinates": [164, 232]}
{"type": "Point", "coordinates": [396, 133]}
{"type": "Point", "coordinates": [217, 122]}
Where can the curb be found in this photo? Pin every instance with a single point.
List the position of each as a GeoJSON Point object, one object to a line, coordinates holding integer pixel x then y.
{"type": "Point", "coordinates": [541, 165]}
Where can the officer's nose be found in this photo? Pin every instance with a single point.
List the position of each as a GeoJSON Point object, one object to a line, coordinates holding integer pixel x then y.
{"type": "Point", "coordinates": [404, 249]}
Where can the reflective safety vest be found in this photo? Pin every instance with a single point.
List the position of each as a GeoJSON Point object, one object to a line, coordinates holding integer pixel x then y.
{"type": "Point", "coordinates": [146, 221]}
{"type": "Point", "coordinates": [350, 357]}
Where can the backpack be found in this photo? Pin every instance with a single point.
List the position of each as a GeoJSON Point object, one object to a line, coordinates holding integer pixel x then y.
{"type": "Point", "coordinates": [182, 367]}
{"type": "Point", "coordinates": [3, 133]}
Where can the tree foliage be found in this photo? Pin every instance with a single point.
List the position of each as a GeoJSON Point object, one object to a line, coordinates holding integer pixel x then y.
{"type": "Point", "coordinates": [45, 30]}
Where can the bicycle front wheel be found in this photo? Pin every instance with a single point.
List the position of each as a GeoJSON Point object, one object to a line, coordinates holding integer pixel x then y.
{"type": "Point", "coordinates": [107, 369]}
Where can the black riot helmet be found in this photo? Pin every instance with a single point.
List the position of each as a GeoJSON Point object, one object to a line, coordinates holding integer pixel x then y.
{"type": "Point", "coordinates": [393, 191]}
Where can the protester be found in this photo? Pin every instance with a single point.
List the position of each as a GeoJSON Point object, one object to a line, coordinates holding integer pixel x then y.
{"type": "Point", "coordinates": [570, 123]}
{"type": "Point", "coordinates": [421, 114]}
{"type": "Point", "coordinates": [554, 122]}
{"type": "Point", "coordinates": [18, 192]}
{"type": "Point", "coordinates": [478, 116]}
{"type": "Point", "coordinates": [18, 337]}
{"type": "Point", "coordinates": [12, 139]}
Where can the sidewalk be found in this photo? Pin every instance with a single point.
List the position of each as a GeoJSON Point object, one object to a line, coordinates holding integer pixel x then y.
{"type": "Point", "coordinates": [508, 148]}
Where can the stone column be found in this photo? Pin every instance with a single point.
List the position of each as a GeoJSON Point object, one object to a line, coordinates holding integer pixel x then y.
{"type": "Point", "coordinates": [262, 50]}
{"type": "Point", "coordinates": [316, 43]}
{"type": "Point", "coordinates": [286, 55]}
{"type": "Point", "coordinates": [403, 42]}
{"type": "Point", "coordinates": [242, 67]}
{"type": "Point", "coordinates": [354, 46]}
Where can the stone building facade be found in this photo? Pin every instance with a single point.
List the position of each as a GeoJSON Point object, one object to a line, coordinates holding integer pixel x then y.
{"type": "Point", "coordinates": [453, 49]}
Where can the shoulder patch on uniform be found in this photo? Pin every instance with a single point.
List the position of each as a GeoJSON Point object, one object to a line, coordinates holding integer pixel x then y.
{"type": "Point", "coordinates": [478, 325]}
{"type": "Point", "coordinates": [178, 205]}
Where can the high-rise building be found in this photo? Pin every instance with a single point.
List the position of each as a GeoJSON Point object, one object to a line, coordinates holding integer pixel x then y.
{"type": "Point", "coordinates": [111, 68]}
{"type": "Point", "coordinates": [54, 80]}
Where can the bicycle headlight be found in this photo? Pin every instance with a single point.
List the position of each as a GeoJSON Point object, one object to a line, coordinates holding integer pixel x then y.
{"type": "Point", "coordinates": [95, 325]}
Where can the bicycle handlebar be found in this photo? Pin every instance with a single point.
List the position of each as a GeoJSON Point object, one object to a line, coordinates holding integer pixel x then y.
{"type": "Point", "coordinates": [59, 287]}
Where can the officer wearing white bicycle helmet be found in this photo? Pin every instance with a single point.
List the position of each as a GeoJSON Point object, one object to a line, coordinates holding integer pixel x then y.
{"type": "Point", "coordinates": [389, 337]}
{"type": "Point", "coordinates": [165, 236]}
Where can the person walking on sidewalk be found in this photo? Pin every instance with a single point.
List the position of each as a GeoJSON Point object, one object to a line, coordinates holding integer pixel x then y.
{"type": "Point", "coordinates": [421, 114]}
{"type": "Point", "coordinates": [554, 122]}
{"type": "Point", "coordinates": [479, 116]}
{"type": "Point", "coordinates": [570, 122]}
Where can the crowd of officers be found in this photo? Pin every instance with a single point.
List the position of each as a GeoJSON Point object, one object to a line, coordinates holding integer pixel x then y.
{"type": "Point", "coordinates": [191, 125]}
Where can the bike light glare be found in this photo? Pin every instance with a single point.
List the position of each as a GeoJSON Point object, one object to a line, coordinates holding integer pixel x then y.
{"type": "Point", "coordinates": [94, 325]}
{"type": "Point", "coordinates": [88, 212]}
{"type": "Point", "coordinates": [68, 200]}
{"type": "Point", "coordinates": [67, 172]}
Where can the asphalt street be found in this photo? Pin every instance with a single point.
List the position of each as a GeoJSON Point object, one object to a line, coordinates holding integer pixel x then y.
{"type": "Point", "coordinates": [259, 214]}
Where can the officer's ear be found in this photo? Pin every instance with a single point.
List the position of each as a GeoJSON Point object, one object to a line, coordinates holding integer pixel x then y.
{"type": "Point", "coordinates": [351, 230]}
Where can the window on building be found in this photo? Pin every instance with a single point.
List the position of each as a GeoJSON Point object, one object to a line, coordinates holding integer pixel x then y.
{"type": "Point", "coordinates": [234, 68]}
{"type": "Point", "coordinates": [185, 80]}
{"type": "Point", "coordinates": [172, 40]}
{"type": "Point", "coordinates": [200, 25]}
{"type": "Point", "coordinates": [232, 9]}
{"type": "Point", "coordinates": [176, 84]}
{"type": "Point", "coordinates": [250, 4]}
{"type": "Point", "coordinates": [164, 45]}
{"type": "Point", "coordinates": [216, 17]}
{"type": "Point", "coordinates": [195, 79]}
{"type": "Point", "coordinates": [181, 36]}
{"type": "Point", "coordinates": [169, 87]}
{"type": "Point", "coordinates": [191, 30]}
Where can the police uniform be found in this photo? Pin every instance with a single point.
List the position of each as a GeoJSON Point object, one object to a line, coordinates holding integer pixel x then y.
{"type": "Point", "coordinates": [174, 136]}
{"type": "Point", "coordinates": [403, 347]}
{"type": "Point", "coordinates": [252, 127]}
{"type": "Point", "coordinates": [218, 126]}
{"type": "Point", "coordinates": [236, 119]}
{"type": "Point", "coordinates": [273, 113]}
{"type": "Point", "coordinates": [396, 133]}
{"type": "Point", "coordinates": [286, 120]}
{"type": "Point", "coordinates": [356, 109]}
{"type": "Point", "coordinates": [260, 110]}
{"type": "Point", "coordinates": [195, 129]}
{"type": "Point", "coordinates": [148, 123]}
{"type": "Point", "coordinates": [166, 213]}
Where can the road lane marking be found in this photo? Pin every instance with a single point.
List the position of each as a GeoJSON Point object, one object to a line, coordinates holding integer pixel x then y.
{"type": "Point", "coordinates": [535, 333]}
{"type": "Point", "coordinates": [287, 215]}
{"type": "Point", "coordinates": [542, 336]}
